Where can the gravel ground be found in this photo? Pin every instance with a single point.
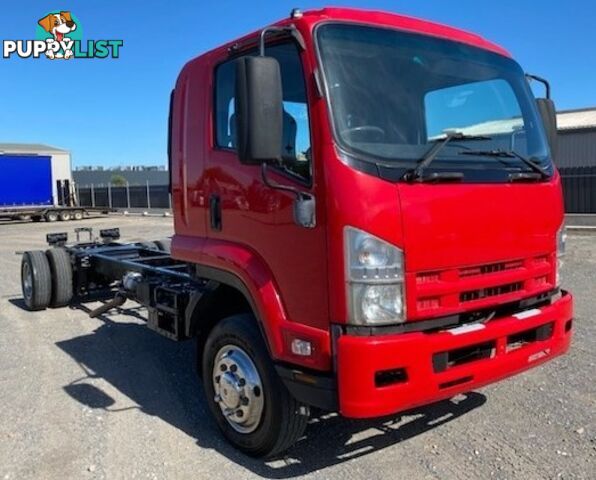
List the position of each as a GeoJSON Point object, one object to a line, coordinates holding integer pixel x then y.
{"type": "Point", "coordinates": [89, 398]}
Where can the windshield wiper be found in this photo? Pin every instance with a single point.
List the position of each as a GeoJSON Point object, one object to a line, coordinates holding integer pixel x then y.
{"type": "Point", "coordinates": [441, 177]}
{"type": "Point", "coordinates": [524, 176]}
{"type": "Point", "coordinates": [415, 174]}
{"type": "Point", "coordinates": [509, 154]}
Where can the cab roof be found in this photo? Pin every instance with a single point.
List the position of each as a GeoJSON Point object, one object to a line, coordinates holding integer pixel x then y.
{"type": "Point", "coordinates": [400, 22]}
{"type": "Point", "coordinates": [308, 19]}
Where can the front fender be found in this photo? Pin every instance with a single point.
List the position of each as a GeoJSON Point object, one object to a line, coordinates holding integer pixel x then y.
{"type": "Point", "coordinates": [242, 268]}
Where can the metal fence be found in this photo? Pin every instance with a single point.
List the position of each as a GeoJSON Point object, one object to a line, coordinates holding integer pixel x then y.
{"type": "Point", "coordinates": [125, 197]}
{"type": "Point", "coordinates": [579, 189]}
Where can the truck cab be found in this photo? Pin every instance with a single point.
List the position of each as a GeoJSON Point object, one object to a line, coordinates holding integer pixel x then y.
{"type": "Point", "coordinates": [376, 196]}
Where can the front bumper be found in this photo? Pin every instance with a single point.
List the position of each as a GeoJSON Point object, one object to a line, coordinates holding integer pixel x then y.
{"type": "Point", "coordinates": [381, 375]}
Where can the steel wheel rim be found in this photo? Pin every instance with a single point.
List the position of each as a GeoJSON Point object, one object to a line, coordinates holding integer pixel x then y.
{"type": "Point", "coordinates": [27, 280]}
{"type": "Point", "coordinates": [238, 389]}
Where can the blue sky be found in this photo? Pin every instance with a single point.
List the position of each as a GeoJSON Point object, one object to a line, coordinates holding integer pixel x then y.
{"type": "Point", "coordinates": [114, 112]}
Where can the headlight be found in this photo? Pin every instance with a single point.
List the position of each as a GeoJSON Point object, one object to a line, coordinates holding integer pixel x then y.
{"type": "Point", "coordinates": [374, 279]}
{"type": "Point", "coordinates": [561, 241]}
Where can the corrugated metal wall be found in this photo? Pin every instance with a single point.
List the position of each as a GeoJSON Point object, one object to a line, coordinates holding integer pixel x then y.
{"type": "Point", "coordinates": [579, 189]}
{"type": "Point", "coordinates": [576, 160]}
{"type": "Point", "coordinates": [577, 148]}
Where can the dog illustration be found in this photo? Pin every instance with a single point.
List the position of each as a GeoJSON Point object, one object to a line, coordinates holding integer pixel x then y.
{"type": "Point", "coordinates": [59, 25]}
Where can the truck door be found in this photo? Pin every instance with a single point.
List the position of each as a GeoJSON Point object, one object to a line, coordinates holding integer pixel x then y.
{"type": "Point", "coordinates": [244, 210]}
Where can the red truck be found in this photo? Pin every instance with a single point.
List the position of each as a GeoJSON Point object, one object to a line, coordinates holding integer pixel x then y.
{"type": "Point", "coordinates": [367, 219]}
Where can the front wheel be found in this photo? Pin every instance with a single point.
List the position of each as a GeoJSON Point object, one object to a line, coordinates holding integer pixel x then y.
{"type": "Point", "coordinates": [251, 405]}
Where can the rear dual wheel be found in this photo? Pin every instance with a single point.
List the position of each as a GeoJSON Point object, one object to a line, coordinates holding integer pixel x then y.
{"type": "Point", "coordinates": [251, 405]}
{"type": "Point", "coordinates": [36, 280]}
{"type": "Point", "coordinates": [46, 279]}
{"type": "Point", "coordinates": [61, 274]}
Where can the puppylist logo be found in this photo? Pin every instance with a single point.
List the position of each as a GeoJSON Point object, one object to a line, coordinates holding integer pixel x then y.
{"type": "Point", "coordinates": [59, 36]}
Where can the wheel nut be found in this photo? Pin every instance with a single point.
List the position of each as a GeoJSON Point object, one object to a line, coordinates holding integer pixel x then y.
{"type": "Point", "coordinates": [233, 368]}
{"type": "Point", "coordinates": [245, 401]}
{"type": "Point", "coordinates": [240, 413]}
{"type": "Point", "coordinates": [241, 382]}
{"type": "Point", "coordinates": [217, 378]}
{"type": "Point", "coordinates": [223, 367]}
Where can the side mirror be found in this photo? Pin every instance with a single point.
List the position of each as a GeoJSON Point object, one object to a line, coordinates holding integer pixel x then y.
{"type": "Point", "coordinates": [259, 110]}
{"type": "Point", "coordinates": [548, 113]}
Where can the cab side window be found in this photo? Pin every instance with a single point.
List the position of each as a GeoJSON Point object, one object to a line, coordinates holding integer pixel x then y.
{"type": "Point", "coordinates": [296, 148]}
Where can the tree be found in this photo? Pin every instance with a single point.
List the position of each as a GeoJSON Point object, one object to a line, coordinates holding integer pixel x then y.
{"type": "Point", "coordinates": [118, 180]}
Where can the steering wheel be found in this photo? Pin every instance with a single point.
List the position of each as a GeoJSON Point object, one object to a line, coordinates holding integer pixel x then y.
{"type": "Point", "coordinates": [378, 132]}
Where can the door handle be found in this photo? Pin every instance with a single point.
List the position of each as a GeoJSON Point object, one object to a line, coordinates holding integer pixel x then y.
{"type": "Point", "coordinates": [215, 212]}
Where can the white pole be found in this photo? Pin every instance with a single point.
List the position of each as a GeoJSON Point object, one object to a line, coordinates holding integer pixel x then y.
{"type": "Point", "coordinates": [148, 197]}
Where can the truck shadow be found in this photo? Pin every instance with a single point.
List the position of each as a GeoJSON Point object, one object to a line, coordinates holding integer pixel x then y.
{"type": "Point", "coordinates": [159, 377]}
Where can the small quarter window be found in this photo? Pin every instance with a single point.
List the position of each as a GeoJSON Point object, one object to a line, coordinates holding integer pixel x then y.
{"type": "Point", "coordinates": [296, 148]}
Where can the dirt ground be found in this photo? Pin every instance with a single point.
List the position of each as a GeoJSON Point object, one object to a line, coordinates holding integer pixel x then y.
{"type": "Point", "coordinates": [107, 398]}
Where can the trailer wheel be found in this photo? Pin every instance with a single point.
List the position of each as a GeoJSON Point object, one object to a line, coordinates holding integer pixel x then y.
{"type": "Point", "coordinates": [251, 405]}
{"type": "Point", "coordinates": [165, 245]}
{"type": "Point", "coordinates": [51, 216]}
{"type": "Point", "coordinates": [36, 281]}
{"type": "Point", "coordinates": [61, 270]}
{"type": "Point", "coordinates": [64, 216]}
{"type": "Point", "coordinates": [77, 215]}
{"type": "Point", "coordinates": [24, 217]}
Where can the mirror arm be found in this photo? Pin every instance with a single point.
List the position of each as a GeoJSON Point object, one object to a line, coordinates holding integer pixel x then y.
{"type": "Point", "coordinates": [544, 82]}
{"type": "Point", "coordinates": [291, 30]}
{"type": "Point", "coordinates": [304, 205]}
{"type": "Point", "coordinates": [276, 186]}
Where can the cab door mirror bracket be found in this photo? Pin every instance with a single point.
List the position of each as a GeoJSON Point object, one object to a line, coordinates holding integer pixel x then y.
{"type": "Point", "coordinates": [304, 203]}
{"type": "Point", "coordinates": [548, 114]}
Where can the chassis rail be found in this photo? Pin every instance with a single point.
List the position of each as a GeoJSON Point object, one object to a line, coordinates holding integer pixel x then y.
{"type": "Point", "coordinates": [103, 268]}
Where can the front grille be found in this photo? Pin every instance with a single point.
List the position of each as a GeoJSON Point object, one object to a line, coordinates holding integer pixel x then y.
{"type": "Point", "coordinates": [490, 268]}
{"type": "Point", "coordinates": [472, 295]}
{"type": "Point", "coordinates": [443, 292]}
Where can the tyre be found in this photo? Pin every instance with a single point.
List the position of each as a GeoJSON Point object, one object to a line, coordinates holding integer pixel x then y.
{"type": "Point", "coordinates": [51, 216]}
{"type": "Point", "coordinates": [165, 245]}
{"type": "Point", "coordinates": [251, 405]}
{"type": "Point", "coordinates": [149, 245]}
{"type": "Point", "coordinates": [77, 215]}
{"type": "Point", "coordinates": [61, 274]}
{"type": "Point", "coordinates": [64, 216]}
{"type": "Point", "coordinates": [36, 280]}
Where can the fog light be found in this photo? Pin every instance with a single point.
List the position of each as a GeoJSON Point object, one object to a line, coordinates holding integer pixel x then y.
{"type": "Point", "coordinates": [301, 347]}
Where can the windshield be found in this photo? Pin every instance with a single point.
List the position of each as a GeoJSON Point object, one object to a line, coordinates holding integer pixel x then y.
{"type": "Point", "coordinates": [393, 94]}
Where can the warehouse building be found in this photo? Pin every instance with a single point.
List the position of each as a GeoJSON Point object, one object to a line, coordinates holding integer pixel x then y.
{"type": "Point", "coordinates": [577, 138]}
{"type": "Point", "coordinates": [576, 159]}
{"type": "Point", "coordinates": [87, 177]}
